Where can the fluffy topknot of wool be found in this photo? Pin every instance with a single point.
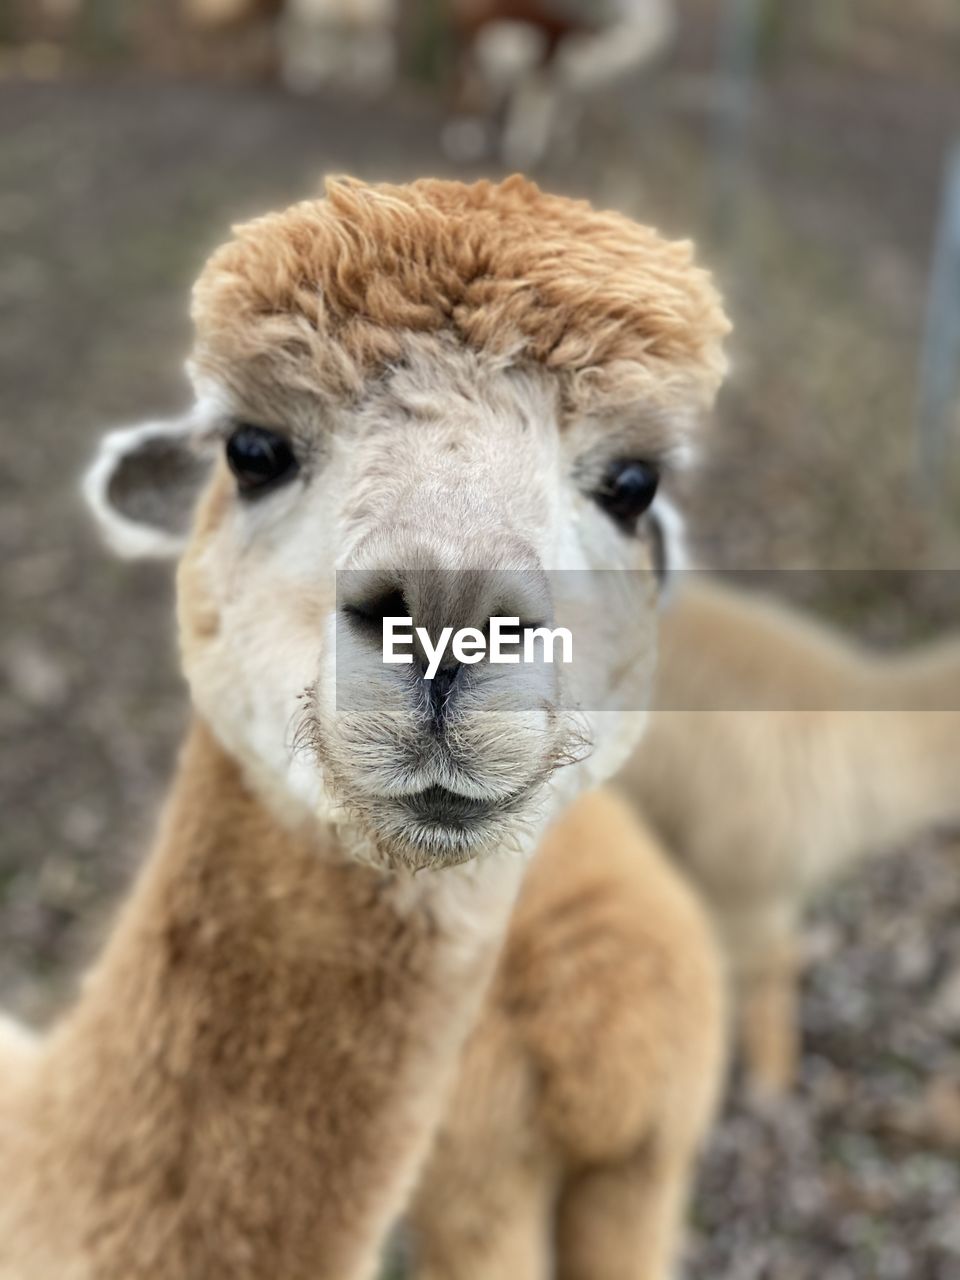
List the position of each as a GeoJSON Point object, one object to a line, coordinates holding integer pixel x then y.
{"type": "Point", "coordinates": [323, 294]}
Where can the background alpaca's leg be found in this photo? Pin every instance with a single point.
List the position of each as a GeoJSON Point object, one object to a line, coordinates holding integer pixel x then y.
{"type": "Point", "coordinates": [621, 1221]}
{"type": "Point", "coordinates": [530, 121]}
{"type": "Point", "coordinates": [768, 1017]}
{"type": "Point", "coordinates": [761, 939]}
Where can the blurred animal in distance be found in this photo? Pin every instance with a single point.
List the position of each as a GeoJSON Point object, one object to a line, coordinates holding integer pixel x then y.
{"type": "Point", "coordinates": [531, 63]}
{"type": "Point", "coordinates": [520, 70]}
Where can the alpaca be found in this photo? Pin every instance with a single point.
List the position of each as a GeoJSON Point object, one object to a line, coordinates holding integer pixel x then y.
{"type": "Point", "coordinates": [590, 1081]}
{"type": "Point", "coordinates": [422, 397]}
{"type": "Point", "coordinates": [532, 62]}
{"type": "Point", "coordinates": [779, 754]}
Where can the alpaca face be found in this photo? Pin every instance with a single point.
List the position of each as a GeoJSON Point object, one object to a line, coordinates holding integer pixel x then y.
{"type": "Point", "coordinates": [450, 494]}
{"type": "Point", "coordinates": [458, 483]}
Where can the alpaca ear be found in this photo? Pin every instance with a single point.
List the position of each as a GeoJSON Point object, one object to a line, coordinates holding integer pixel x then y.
{"type": "Point", "coordinates": [667, 532]}
{"type": "Point", "coordinates": [143, 484]}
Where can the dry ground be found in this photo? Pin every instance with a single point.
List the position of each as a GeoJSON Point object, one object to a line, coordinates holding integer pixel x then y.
{"type": "Point", "coordinates": [110, 196]}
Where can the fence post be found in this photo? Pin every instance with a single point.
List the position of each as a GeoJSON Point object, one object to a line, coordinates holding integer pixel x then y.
{"type": "Point", "coordinates": [737, 56]}
{"type": "Point", "coordinates": [940, 353]}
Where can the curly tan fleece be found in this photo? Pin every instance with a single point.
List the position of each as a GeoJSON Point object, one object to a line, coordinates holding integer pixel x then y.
{"type": "Point", "coordinates": [324, 293]}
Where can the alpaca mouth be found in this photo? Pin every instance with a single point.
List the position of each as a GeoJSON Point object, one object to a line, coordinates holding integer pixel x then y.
{"type": "Point", "coordinates": [436, 826]}
{"type": "Point", "coordinates": [447, 808]}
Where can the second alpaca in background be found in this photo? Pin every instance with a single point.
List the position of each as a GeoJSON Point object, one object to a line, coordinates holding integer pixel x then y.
{"type": "Point", "coordinates": [778, 755]}
{"type": "Point", "coordinates": [532, 61]}
{"type": "Point", "coordinates": [520, 68]}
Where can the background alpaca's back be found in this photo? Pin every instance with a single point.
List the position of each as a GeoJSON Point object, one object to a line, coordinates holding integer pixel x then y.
{"type": "Point", "coordinates": [847, 750]}
{"type": "Point", "coordinates": [780, 752]}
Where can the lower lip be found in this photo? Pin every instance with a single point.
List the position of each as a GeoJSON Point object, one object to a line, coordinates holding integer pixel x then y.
{"type": "Point", "coordinates": [448, 811]}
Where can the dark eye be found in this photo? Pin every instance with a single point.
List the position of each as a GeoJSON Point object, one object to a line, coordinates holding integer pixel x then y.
{"type": "Point", "coordinates": [627, 491]}
{"type": "Point", "coordinates": [259, 457]}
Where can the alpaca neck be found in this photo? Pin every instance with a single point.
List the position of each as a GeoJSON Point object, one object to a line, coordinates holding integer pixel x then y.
{"type": "Point", "coordinates": [257, 1064]}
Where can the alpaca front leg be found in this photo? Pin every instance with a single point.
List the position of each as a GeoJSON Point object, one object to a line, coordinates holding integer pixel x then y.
{"type": "Point", "coordinates": [621, 1221]}
{"type": "Point", "coordinates": [499, 1231]}
{"type": "Point", "coordinates": [484, 1205]}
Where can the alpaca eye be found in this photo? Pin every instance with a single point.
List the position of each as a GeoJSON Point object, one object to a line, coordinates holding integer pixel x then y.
{"type": "Point", "coordinates": [628, 489]}
{"type": "Point", "coordinates": [259, 457]}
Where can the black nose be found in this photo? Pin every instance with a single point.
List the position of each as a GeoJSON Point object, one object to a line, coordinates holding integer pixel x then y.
{"type": "Point", "coordinates": [438, 598]}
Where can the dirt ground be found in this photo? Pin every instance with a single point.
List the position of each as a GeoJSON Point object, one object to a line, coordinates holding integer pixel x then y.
{"type": "Point", "coordinates": [112, 192]}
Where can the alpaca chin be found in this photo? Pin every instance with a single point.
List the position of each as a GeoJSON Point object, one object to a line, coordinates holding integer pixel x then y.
{"type": "Point", "coordinates": [426, 791]}
{"type": "Point", "coordinates": [436, 827]}
{"type": "Point", "coordinates": [441, 813]}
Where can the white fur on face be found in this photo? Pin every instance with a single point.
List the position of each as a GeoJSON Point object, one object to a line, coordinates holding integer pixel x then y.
{"type": "Point", "coordinates": [449, 466]}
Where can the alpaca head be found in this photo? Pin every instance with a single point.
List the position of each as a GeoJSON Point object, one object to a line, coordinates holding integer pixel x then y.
{"type": "Point", "coordinates": [438, 401]}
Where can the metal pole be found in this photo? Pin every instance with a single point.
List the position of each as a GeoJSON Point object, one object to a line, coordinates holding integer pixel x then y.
{"type": "Point", "coordinates": [940, 353]}
{"type": "Point", "coordinates": [737, 55]}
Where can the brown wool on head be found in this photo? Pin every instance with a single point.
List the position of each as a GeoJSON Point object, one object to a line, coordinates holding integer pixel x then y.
{"type": "Point", "coordinates": [325, 291]}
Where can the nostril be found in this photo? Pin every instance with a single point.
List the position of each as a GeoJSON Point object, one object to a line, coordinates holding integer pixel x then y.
{"type": "Point", "coordinates": [367, 613]}
{"type": "Point", "coordinates": [441, 687]}
{"type": "Point", "coordinates": [443, 682]}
